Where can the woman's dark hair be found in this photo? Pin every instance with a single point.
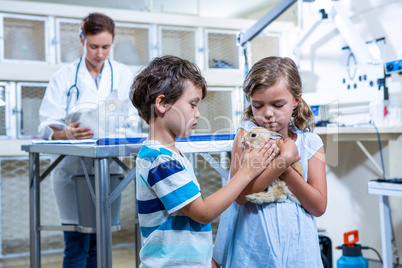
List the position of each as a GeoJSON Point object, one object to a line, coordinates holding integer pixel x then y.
{"type": "Point", "coordinates": [164, 76]}
{"type": "Point", "coordinates": [96, 23]}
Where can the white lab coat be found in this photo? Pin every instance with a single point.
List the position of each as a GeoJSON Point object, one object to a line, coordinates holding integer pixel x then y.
{"type": "Point", "coordinates": [53, 112]}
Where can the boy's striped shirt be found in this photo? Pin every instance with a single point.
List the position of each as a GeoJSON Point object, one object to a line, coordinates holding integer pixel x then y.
{"type": "Point", "coordinates": [165, 184]}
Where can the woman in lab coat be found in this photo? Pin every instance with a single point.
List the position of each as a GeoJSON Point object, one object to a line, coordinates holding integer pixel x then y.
{"type": "Point", "coordinates": [80, 86]}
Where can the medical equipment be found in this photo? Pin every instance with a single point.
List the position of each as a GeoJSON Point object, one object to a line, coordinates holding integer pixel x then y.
{"type": "Point", "coordinates": [261, 24]}
{"type": "Point", "coordinates": [76, 87]}
{"type": "Point", "coordinates": [393, 66]}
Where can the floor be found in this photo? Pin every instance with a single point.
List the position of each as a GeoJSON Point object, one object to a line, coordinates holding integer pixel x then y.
{"type": "Point", "coordinates": [122, 258]}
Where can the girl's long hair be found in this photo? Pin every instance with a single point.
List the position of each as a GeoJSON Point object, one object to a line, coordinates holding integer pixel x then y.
{"type": "Point", "coordinates": [266, 73]}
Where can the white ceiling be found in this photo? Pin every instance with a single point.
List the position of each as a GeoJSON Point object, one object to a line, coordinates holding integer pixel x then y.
{"type": "Point", "coordinates": [213, 8]}
{"type": "Point", "coordinates": [205, 8]}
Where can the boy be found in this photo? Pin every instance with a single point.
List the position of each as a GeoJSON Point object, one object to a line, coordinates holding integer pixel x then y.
{"type": "Point", "coordinates": [174, 218]}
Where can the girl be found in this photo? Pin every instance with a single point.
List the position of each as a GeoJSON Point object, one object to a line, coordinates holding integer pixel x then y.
{"type": "Point", "coordinates": [277, 234]}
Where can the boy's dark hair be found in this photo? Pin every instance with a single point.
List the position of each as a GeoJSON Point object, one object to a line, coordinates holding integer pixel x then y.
{"type": "Point", "coordinates": [164, 75]}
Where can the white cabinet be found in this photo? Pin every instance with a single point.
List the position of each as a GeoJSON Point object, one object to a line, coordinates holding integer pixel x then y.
{"type": "Point", "coordinates": [221, 50]}
{"type": "Point", "coordinates": [54, 41]}
{"type": "Point", "coordinates": [67, 40]}
{"type": "Point", "coordinates": [24, 38]}
{"type": "Point", "coordinates": [132, 44]}
{"type": "Point", "coordinates": [7, 110]}
{"type": "Point", "coordinates": [264, 45]}
{"type": "Point", "coordinates": [34, 47]}
{"type": "Point", "coordinates": [176, 41]}
{"type": "Point", "coordinates": [19, 109]}
{"type": "Point", "coordinates": [220, 111]}
{"type": "Point", "coordinates": [29, 99]}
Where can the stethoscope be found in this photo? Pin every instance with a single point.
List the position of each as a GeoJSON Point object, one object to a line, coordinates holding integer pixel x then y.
{"type": "Point", "coordinates": [76, 87]}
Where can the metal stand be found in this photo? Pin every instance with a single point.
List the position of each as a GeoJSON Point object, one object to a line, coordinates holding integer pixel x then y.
{"type": "Point", "coordinates": [34, 210]}
{"type": "Point", "coordinates": [102, 155]}
{"type": "Point", "coordinates": [103, 226]}
{"type": "Point", "coordinates": [384, 190]}
{"type": "Point", "coordinates": [103, 201]}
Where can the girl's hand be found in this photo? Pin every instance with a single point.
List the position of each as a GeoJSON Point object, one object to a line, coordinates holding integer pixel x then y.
{"type": "Point", "coordinates": [289, 151]}
{"type": "Point", "coordinates": [254, 161]}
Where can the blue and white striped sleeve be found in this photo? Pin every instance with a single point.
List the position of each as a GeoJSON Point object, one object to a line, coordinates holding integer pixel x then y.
{"type": "Point", "coordinates": [172, 183]}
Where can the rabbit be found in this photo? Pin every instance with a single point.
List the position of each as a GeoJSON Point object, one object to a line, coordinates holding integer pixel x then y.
{"type": "Point", "coordinates": [278, 190]}
{"type": "Point", "coordinates": [106, 118]}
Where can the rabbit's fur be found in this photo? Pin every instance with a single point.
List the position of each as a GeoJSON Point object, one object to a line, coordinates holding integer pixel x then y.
{"type": "Point", "coordinates": [278, 190]}
{"type": "Point", "coordinates": [106, 119]}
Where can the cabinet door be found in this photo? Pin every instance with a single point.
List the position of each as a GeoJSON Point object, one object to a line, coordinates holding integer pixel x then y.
{"type": "Point", "coordinates": [29, 99]}
{"type": "Point", "coordinates": [7, 105]}
{"type": "Point", "coordinates": [222, 51]}
{"type": "Point", "coordinates": [180, 42]}
{"type": "Point", "coordinates": [69, 47]}
{"type": "Point", "coordinates": [264, 45]}
{"type": "Point", "coordinates": [220, 111]}
{"type": "Point", "coordinates": [7, 111]}
{"type": "Point", "coordinates": [24, 38]}
{"type": "Point", "coordinates": [3, 114]}
{"type": "Point", "coordinates": [131, 44]}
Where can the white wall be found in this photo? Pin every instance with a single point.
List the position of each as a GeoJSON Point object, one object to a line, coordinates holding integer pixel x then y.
{"type": "Point", "coordinates": [349, 205]}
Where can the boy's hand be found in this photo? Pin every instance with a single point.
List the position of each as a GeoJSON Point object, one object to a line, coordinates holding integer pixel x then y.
{"type": "Point", "coordinates": [289, 151]}
{"type": "Point", "coordinates": [254, 161]}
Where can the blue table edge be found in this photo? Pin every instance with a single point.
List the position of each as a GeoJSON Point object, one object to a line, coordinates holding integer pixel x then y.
{"type": "Point", "coordinates": [140, 140]}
